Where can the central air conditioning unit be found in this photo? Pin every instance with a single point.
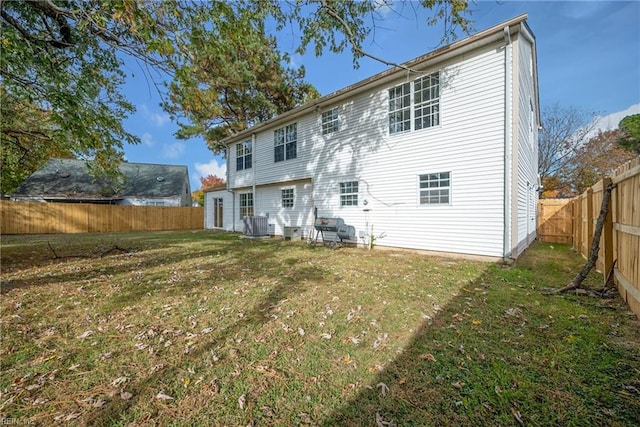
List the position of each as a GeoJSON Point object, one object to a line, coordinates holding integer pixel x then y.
{"type": "Point", "coordinates": [255, 226]}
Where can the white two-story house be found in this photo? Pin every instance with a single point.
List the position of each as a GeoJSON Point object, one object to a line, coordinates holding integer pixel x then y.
{"type": "Point", "coordinates": [440, 155]}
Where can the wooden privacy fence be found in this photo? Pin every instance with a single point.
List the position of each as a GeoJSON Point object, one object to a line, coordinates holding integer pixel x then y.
{"type": "Point", "coordinates": [44, 218]}
{"type": "Point", "coordinates": [573, 221]}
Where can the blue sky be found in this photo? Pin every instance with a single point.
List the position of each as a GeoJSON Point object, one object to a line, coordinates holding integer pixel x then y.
{"type": "Point", "coordinates": [588, 57]}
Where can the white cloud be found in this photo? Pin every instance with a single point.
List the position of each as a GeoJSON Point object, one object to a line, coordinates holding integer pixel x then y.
{"type": "Point", "coordinates": [211, 168]}
{"type": "Point", "coordinates": [611, 121]}
{"type": "Point", "coordinates": [383, 7]}
{"type": "Point", "coordinates": [159, 119]}
{"type": "Point", "coordinates": [173, 151]}
{"type": "Point", "coordinates": [147, 139]}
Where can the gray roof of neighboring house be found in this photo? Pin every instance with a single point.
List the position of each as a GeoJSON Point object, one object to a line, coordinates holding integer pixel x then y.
{"type": "Point", "coordinates": [70, 179]}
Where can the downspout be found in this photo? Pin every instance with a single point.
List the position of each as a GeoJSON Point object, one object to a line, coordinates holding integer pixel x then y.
{"type": "Point", "coordinates": [255, 171]}
{"type": "Point", "coordinates": [233, 194]}
{"type": "Point", "coordinates": [506, 240]}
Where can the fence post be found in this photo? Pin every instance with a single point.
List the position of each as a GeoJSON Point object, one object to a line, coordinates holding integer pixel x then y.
{"type": "Point", "coordinates": [607, 231]}
{"type": "Point", "coordinates": [589, 221]}
{"type": "Point", "coordinates": [577, 223]}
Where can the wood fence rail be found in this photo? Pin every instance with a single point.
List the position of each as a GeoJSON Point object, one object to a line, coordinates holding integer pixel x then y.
{"type": "Point", "coordinates": [46, 218]}
{"type": "Point", "coordinates": [573, 220]}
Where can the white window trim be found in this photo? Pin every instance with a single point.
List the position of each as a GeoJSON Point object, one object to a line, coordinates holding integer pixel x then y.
{"type": "Point", "coordinates": [242, 146]}
{"type": "Point", "coordinates": [285, 142]}
{"type": "Point", "coordinates": [333, 125]}
{"type": "Point", "coordinates": [253, 204]}
{"type": "Point", "coordinates": [293, 197]}
{"type": "Point", "coordinates": [357, 194]}
{"type": "Point", "coordinates": [434, 205]}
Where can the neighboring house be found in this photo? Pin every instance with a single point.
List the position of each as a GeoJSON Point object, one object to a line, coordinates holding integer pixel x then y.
{"type": "Point", "coordinates": [69, 181]}
{"type": "Point", "coordinates": [441, 157]}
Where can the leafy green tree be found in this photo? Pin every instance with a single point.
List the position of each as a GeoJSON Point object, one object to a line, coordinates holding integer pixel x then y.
{"type": "Point", "coordinates": [63, 61]}
{"type": "Point", "coordinates": [232, 77]}
{"type": "Point", "coordinates": [630, 133]}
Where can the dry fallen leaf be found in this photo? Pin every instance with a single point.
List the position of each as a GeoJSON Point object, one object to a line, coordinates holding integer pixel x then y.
{"type": "Point", "coordinates": [241, 401]}
{"type": "Point", "coordinates": [380, 422]}
{"type": "Point", "coordinates": [384, 389]}
{"type": "Point", "coordinates": [428, 356]}
{"type": "Point", "coordinates": [86, 334]}
{"type": "Point", "coordinates": [119, 381]}
{"type": "Point", "coordinates": [162, 396]}
{"type": "Point", "coordinates": [125, 395]}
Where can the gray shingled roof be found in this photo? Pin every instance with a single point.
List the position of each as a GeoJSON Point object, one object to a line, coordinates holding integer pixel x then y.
{"type": "Point", "coordinates": [69, 178]}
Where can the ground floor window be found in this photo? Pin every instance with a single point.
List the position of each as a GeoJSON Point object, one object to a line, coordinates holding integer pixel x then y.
{"type": "Point", "coordinates": [246, 204]}
{"type": "Point", "coordinates": [435, 188]}
{"type": "Point", "coordinates": [287, 197]}
{"type": "Point", "coordinates": [349, 193]}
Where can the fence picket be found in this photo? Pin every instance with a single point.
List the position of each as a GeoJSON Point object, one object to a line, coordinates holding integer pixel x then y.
{"type": "Point", "coordinates": [571, 221]}
{"type": "Point", "coordinates": [47, 218]}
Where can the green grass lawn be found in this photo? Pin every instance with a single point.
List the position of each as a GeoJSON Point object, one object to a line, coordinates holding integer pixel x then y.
{"type": "Point", "coordinates": [202, 328]}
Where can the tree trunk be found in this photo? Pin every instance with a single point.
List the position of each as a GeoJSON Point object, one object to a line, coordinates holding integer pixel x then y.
{"type": "Point", "coordinates": [595, 244]}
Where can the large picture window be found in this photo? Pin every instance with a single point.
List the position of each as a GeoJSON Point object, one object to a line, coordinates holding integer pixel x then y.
{"type": "Point", "coordinates": [435, 188]}
{"type": "Point", "coordinates": [420, 99]}
{"type": "Point", "coordinates": [330, 121]}
{"type": "Point", "coordinates": [349, 193]}
{"type": "Point", "coordinates": [246, 204]}
{"type": "Point", "coordinates": [243, 155]}
{"type": "Point", "coordinates": [285, 143]}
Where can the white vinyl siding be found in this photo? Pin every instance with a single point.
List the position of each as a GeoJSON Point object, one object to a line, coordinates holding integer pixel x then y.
{"type": "Point", "coordinates": [525, 175]}
{"type": "Point", "coordinates": [269, 202]}
{"type": "Point", "coordinates": [212, 200]}
{"type": "Point", "coordinates": [467, 142]}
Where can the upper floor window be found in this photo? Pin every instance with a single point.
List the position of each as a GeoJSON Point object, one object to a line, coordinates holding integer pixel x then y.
{"type": "Point", "coordinates": [435, 188]}
{"type": "Point", "coordinates": [423, 95]}
{"type": "Point", "coordinates": [246, 204]}
{"type": "Point", "coordinates": [330, 121]}
{"type": "Point", "coordinates": [349, 193]}
{"type": "Point", "coordinates": [400, 108]}
{"type": "Point", "coordinates": [426, 93]}
{"type": "Point", "coordinates": [287, 197]}
{"type": "Point", "coordinates": [285, 143]}
{"type": "Point", "coordinates": [243, 155]}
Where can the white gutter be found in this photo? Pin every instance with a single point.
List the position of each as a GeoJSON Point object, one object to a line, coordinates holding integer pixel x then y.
{"type": "Point", "coordinates": [508, 101]}
{"type": "Point", "coordinates": [425, 62]}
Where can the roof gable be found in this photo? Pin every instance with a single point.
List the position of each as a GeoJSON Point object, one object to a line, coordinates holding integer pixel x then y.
{"type": "Point", "coordinates": [420, 63]}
